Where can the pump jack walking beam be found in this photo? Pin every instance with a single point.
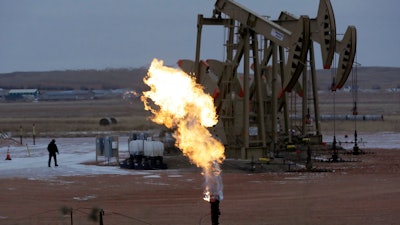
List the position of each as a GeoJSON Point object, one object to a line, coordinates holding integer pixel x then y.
{"type": "Point", "coordinates": [251, 25]}
{"type": "Point", "coordinates": [323, 29]}
{"type": "Point", "coordinates": [295, 40]}
{"type": "Point", "coordinates": [323, 32]}
{"type": "Point", "coordinates": [249, 22]}
{"type": "Point", "coordinates": [247, 104]}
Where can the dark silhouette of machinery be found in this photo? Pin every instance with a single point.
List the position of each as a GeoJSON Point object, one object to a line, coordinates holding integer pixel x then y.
{"type": "Point", "coordinates": [278, 62]}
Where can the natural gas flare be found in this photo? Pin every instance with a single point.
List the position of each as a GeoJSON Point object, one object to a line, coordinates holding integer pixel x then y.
{"type": "Point", "coordinates": [179, 103]}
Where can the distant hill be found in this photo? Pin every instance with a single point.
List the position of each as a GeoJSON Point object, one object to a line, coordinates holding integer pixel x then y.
{"type": "Point", "coordinates": [368, 78]}
{"type": "Point", "coordinates": [75, 79]}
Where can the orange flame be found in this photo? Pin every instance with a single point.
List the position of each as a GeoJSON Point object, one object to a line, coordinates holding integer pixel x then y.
{"type": "Point", "coordinates": [178, 102]}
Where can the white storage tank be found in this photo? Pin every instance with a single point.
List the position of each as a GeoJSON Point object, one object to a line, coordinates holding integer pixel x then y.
{"type": "Point", "coordinates": [153, 148]}
{"type": "Point", "coordinates": [146, 148]}
{"type": "Point", "coordinates": [136, 147]}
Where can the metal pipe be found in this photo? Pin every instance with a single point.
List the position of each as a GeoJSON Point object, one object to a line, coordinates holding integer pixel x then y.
{"type": "Point", "coordinates": [305, 113]}
{"type": "Point", "coordinates": [274, 96]}
{"type": "Point", "coordinates": [315, 89]}
{"type": "Point", "coordinates": [214, 202]}
{"type": "Point", "coordinates": [198, 48]}
{"type": "Point", "coordinates": [246, 102]}
{"type": "Point", "coordinates": [260, 98]}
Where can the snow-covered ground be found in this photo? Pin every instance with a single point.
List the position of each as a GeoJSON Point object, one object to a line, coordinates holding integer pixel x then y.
{"type": "Point", "coordinates": [75, 151]}
{"type": "Point", "coordinates": [383, 140]}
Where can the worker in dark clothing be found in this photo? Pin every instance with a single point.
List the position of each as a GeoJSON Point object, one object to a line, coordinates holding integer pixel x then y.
{"type": "Point", "coordinates": [52, 148]}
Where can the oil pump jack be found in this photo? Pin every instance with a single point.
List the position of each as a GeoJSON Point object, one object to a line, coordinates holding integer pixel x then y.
{"type": "Point", "coordinates": [323, 32]}
{"type": "Point", "coordinates": [250, 105]}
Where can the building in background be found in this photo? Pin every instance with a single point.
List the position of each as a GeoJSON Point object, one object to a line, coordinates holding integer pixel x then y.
{"type": "Point", "coordinates": [21, 94]}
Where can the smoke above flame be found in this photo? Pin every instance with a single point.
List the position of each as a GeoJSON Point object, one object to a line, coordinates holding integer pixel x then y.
{"type": "Point", "coordinates": [179, 103]}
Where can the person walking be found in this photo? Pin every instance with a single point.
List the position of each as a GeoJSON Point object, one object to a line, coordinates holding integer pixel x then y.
{"type": "Point", "coordinates": [52, 148]}
{"type": "Point", "coordinates": [20, 134]}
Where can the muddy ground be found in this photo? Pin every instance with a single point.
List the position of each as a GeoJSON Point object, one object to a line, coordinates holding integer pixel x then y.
{"type": "Point", "coordinates": [365, 190]}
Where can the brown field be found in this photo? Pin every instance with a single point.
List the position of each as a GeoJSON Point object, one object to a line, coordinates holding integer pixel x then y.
{"type": "Point", "coordinates": [59, 117]}
{"type": "Point", "coordinates": [365, 190]}
{"type": "Point", "coordinates": [75, 116]}
{"type": "Point", "coordinates": [378, 103]}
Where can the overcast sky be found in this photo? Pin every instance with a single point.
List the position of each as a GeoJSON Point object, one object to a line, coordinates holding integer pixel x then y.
{"type": "Point", "coordinates": [42, 35]}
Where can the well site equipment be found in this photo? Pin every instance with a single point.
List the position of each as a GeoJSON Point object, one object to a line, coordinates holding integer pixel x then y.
{"type": "Point", "coordinates": [107, 148]}
{"type": "Point", "coordinates": [277, 56]}
{"type": "Point", "coordinates": [144, 153]}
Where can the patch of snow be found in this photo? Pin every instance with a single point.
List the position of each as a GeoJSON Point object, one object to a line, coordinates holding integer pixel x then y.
{"type": "Point", "coordinates": [174, 175]}
{"type": "Point", "coordinates": [31, 161]}
{"type": "Point", "coordinates": [85, 198]}
{"type": "Point", "coordinates": [382, 140]}
{"type": "Point", "coordinates": [152, 176]}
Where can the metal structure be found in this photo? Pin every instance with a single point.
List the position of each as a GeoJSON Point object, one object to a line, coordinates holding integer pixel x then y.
{"type": "Point", "coordinates": [107, 148]}
{"type": "Point", "coordinates": [144, 153]}
{"type": "Point", "coordinates": [275, 56]}
{"type": "Point", "coordinates": [215, 212]}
